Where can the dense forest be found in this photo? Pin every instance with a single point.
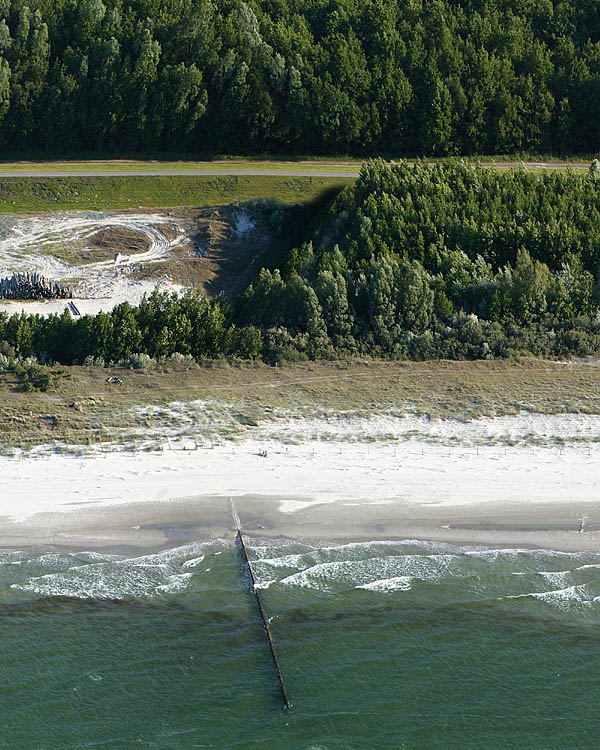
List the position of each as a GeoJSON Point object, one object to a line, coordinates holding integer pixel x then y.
{"type": "Point", "coordinates": [422, 261]}
{"type": "Point", "coordinates": [437, 77]}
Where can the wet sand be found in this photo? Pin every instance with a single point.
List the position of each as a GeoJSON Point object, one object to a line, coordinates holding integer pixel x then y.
{"type": "Point", "coordinates": [139, 528]}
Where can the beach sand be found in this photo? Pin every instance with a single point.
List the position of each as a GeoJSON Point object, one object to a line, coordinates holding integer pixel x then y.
{"type": "Point", "coordinates": [449, 490]}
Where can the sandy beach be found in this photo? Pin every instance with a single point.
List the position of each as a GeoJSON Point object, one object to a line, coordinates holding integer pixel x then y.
{"type": "Point", "coordinates": [443, 485]}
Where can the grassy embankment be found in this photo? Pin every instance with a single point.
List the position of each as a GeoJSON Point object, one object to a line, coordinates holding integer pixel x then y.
{"type": "Point", "coordinates": [86, 409]}
{"type": "Point", "coordinates": [36, 194]}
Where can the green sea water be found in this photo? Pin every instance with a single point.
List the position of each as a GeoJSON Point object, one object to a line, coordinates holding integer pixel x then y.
{"type": "Point", "coordinates": [382, 645]}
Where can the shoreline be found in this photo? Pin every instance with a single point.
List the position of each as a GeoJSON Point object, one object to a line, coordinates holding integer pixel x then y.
{"type": "Point", "coordinates": [332, 490]}
{"type": "Point", "coordinates": [134, 529]}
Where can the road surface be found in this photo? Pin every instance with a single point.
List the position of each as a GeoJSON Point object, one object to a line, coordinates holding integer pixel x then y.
{"type": "Point", "coordinates": [180, 173]}
{"type": "Point", "coordinates": [233, 171]}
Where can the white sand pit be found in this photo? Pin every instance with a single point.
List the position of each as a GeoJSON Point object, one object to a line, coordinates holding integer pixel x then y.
{"type": "Point", "coordinates": [27, 244]}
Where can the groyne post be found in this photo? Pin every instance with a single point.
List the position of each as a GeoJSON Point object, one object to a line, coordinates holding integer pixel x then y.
{"type": "Point", "coordinates": [263, 617]}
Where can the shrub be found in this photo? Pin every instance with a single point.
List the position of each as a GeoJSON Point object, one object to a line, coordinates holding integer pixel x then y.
{"type": "Point", "coordinates": [181, 358]}
{"type": "Point", "coordinates": [37, 378]}
{"type": "Point", "coordinates": [138, 361]}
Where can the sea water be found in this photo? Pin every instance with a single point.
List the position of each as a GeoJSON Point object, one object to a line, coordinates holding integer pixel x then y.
{"type": "Point", "coordinates": [381, 644]}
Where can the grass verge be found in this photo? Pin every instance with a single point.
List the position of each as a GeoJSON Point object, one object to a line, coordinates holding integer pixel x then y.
{"type": "Point", "coordinates": [150, 165]}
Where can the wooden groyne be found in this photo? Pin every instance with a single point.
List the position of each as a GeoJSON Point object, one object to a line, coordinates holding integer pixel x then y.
{"type": "Point", "coordinates": [32, 286]}
{"type": "Point", "coordinates": [260, 606]}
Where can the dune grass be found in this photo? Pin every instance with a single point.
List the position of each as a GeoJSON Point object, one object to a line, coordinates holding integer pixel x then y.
{"type": "Point", "coordinates": [86, 409]}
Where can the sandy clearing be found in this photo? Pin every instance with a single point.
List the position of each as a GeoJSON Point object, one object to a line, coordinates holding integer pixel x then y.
{"type": "Point", "coordinates": [26, 244]}
{"type": "Point", "coordinates": [22, 239]}
{"type": "Point", "coordinates": [120, 291]}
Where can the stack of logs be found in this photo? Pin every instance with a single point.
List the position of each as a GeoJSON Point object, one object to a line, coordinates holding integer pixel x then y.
{"type": "Point", "coordinates": [32, 286]}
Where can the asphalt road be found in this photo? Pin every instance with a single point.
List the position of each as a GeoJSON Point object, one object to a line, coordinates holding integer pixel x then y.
{"type": "Point", "coordinates": [224, 172]}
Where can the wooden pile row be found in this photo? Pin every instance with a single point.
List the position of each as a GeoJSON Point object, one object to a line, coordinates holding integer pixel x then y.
{"type": "Point", "coordinates": [32, 286]}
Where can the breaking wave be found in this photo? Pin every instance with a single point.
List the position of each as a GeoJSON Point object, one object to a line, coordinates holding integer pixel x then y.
{"type": "Point", "coordinates": [422, 573]}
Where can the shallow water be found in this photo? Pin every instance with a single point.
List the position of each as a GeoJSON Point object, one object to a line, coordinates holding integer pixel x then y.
{"type": "Point", "coordinates": [381, 644]}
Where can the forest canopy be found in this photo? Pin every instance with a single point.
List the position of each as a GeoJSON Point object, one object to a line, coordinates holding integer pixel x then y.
{"type": "Point", "coordinates": [416, 261]}
{"type": "Point", "coordinates": [418, 77]}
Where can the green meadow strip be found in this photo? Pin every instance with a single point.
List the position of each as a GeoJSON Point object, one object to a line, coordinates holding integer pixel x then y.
{"type": "Point", "coordinates": [35, 194]}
